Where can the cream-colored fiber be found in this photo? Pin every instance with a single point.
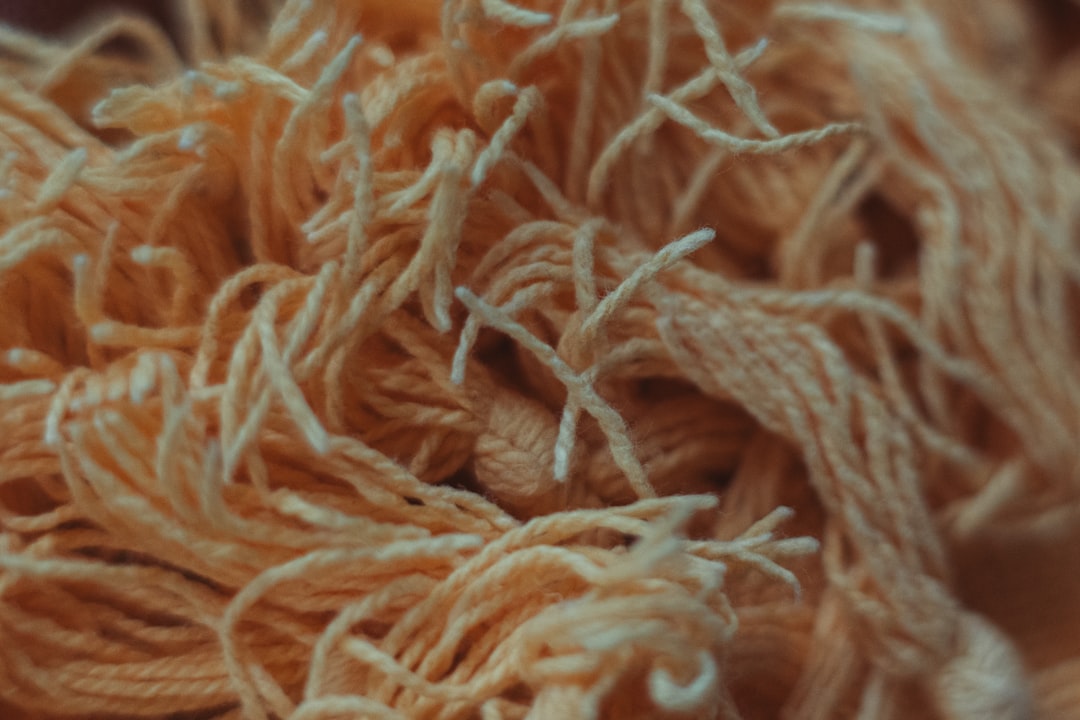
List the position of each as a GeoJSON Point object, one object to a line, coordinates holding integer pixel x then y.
{"type": "Point", "coordinates": [543, 359]}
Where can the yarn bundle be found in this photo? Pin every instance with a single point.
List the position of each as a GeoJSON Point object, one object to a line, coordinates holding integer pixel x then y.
{"type": "Point", "coordinates": [541, 359]}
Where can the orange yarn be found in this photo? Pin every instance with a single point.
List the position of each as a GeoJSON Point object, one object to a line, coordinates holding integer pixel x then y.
{"type": "Point", "coordinates": [545, 358]}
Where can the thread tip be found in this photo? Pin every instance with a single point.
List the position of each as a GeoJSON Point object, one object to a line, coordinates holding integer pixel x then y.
{"type": "Point", "coordinates": [143, 254]}
{"type": "Point", "coordinates": [189, 137]}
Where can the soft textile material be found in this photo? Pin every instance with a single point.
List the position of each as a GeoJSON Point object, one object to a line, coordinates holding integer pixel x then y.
{"type": "Point", "coordinates": [546, 359]}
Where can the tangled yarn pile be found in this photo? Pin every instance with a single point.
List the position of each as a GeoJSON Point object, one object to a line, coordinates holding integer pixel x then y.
{"type": "Point", "coordinates": [550, 359]}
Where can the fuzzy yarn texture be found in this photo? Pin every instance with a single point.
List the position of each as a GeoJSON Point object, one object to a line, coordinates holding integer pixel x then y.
{"type": "Point", "coordinates": [543, 359]}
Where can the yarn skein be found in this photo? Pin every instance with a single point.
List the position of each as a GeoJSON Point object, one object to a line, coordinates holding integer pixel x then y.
{"type": "Point", "coordinates": [541, 359]}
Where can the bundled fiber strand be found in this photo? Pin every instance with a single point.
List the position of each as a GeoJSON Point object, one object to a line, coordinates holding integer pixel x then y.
{"type": "Point", "coordinates": [541, 359]}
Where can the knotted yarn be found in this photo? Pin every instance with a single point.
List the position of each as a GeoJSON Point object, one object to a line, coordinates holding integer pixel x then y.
{"type": "Point", "coordinates": [542, 359]}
